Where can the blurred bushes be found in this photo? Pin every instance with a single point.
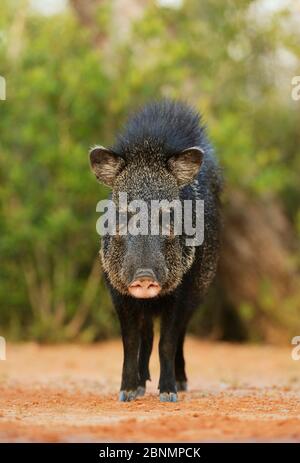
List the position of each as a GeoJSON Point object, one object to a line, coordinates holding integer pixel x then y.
{"type": "Point", "coordinates": [71, 81]}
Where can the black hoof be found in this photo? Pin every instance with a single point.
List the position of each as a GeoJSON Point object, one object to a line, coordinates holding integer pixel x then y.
{"type": "Point", "coordinates": [127, 396]}
{"type": "Point", "coordinates": [140, 392]}
{"type": "Point", "coordinates": [181, 385]}
{"type": "Point", "coordinates": [168, 397]}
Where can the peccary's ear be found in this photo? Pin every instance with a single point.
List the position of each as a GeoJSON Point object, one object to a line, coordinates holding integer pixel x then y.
{"type": "Point", "coordinates": [186, 164]}
{"type": "Point", "coordinates": [105, 164]}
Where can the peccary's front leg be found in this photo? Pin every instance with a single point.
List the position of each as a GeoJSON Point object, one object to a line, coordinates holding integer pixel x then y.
{"type": "Point", "coordinates": [130, 323]}
{"type": "Point", "coordinates": [145, 352]}
{"type": "Point", "coordinates": [170, 329]}
{"type": "Point", "coordinates": [181, 379]}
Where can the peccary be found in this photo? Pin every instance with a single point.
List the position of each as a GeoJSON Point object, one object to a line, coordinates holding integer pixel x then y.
{"type": "Point", "coordinates": [162, 153]}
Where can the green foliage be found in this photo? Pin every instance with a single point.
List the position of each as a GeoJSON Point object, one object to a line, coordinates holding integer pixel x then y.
{"type": "Point", "coordinates": [55, 110]}
{"type": "Point", "coordinates": [65, 95]}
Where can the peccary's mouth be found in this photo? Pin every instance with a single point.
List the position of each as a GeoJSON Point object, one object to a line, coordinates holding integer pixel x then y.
{"type": "Point", "coordinates": [144, 284]}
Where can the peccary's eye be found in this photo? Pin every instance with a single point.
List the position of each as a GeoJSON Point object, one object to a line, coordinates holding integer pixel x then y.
{"type": "Point", "coordinates": [122, 221]}
{"type": "Point", "coordinates": [167, 230]}
{"type": "Point", "coordinates": [121, 230]}
{"type": "Point", "coordinates": [167, 223]}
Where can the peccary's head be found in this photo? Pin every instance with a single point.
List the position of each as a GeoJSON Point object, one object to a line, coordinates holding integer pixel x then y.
{"type": "Point", "coordinates": [146, 167]}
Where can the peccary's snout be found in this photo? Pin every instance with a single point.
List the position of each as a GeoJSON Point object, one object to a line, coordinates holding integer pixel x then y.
{"type": "Point", "coordinates": [144, 270]}
{"type": "Point", "coordinates": [144, 284]}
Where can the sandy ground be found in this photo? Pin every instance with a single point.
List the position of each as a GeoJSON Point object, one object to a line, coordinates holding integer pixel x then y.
{"type": "Point", "coordinates": [68, 393]}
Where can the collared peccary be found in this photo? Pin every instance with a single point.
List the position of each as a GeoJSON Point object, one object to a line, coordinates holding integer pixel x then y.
{"type": "Point", "coordinates": [163, 153]}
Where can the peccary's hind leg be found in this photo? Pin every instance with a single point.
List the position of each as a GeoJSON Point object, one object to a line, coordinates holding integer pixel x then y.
{"type": "Point", "coordinates": [145, 353]}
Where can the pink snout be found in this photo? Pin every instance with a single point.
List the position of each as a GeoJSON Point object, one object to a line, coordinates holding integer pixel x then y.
{"type": "Point", "coordinates": [144, 285]}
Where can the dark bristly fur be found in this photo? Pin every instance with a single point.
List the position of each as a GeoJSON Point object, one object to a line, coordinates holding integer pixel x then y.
{"type": "Point", "coordinates": [171, 125]}
{"type": "Point", "coordinates": [157, 156]}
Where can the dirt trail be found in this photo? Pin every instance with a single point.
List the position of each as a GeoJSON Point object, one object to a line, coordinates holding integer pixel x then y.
{"type": "Point", "coordinates": [69, 393]}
